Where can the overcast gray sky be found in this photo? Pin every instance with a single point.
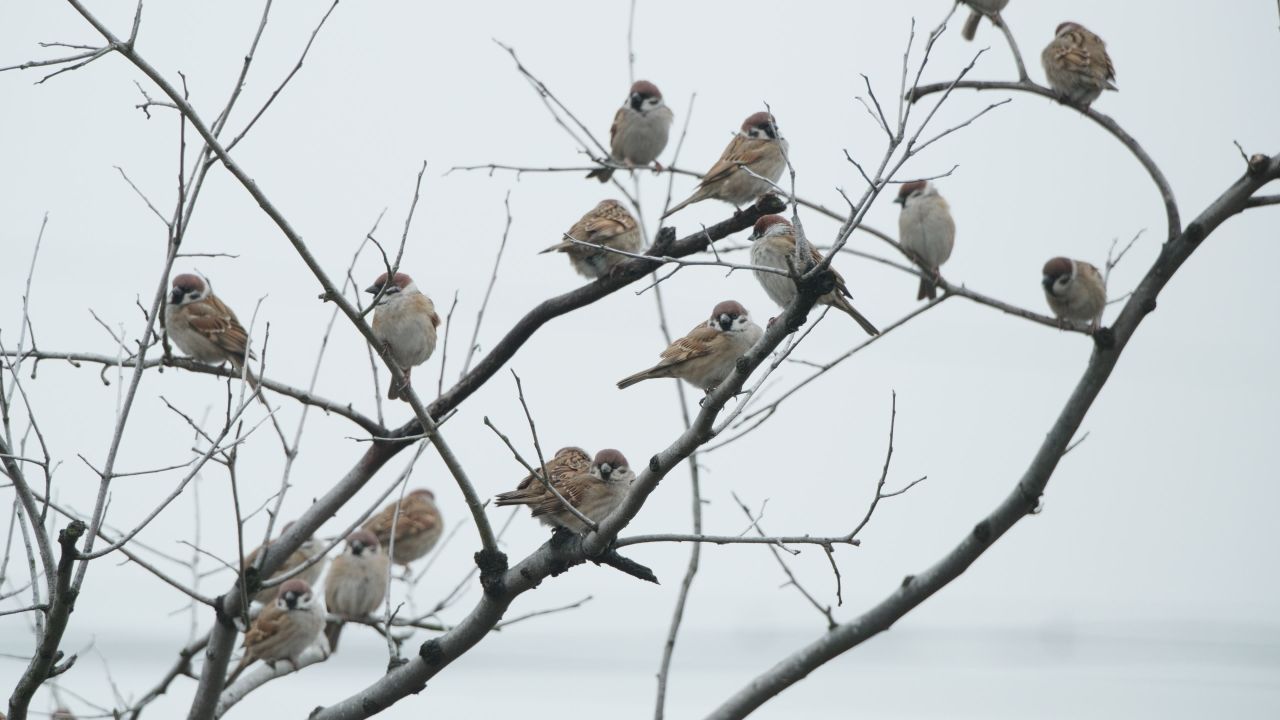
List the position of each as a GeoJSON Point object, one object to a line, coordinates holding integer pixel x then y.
{"type": "Point", "coordinates": [1153, 562]}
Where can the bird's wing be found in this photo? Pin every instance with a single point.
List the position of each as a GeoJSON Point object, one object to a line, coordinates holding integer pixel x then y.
{"type": "Point", "coordinates": [741, 150]}
{"type": "Point", "coordinates": [700, 341]}
{"type": "Point", "coordinates": [213, 319]}
{"type": "Point", "coordinates": [573, 489]}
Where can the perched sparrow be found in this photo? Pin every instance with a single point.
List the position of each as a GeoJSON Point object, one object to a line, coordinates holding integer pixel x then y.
{"type": "Point", "coordinates": [594, 493]}
{"type": "Point", "coordinates": [201, 325]}
{"type": "Point", "coordinates": [283, 629]}
{"type": "Point", "coordinates": [990, 8]}
{"type": "Point", "coordinates": [1074, 290]}
{"type": "Point", "coordinates": [925, 228]}
{"type": "Point", "coordinates": [756, 147]}
{"type": "Point", "coordinates": [708, 354]}
{"type": "Point", "coordinates": [59, 714]}
{"type": "Point", "coordinates": [772, 242]}
{"type": "Point", "coordinates": [405, 323]}
{"type": "Point", "coordinates": [356, 583]}
{"type": "Point", "coordinates": [640, 129]}
{"type": "Point", "coordinates": [305, 552]}
{"type": "Point", "coordinates": [418, 526]}
{"type": "Point", "coordinates": [608, 224]}
{"type": "Point", "coordinates": [1077, 65]}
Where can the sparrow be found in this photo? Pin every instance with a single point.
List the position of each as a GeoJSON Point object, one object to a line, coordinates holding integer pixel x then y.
{"type": "Point", "coordinates": [772, 242]}
{"type": "Point", "coordinates": [356, 583]}
{"type": "Point", "coordinates": [202, 326]}
{"type": "Point", "coordinates": [1074, 290]}
{"type": "Point", "coordinates": [758, 147]}
{"type": "Point", "coordinates": [608, 224]}
{"type": "Point", "coordinates": [926, 229]}
{"type": "Point", "coordinates": [640, 130]}
{"type": "Point", "coordinates": [283, 629]}
{"type": "Point", "coordinates": [594, 493]}
{"type": "Point", "coordinates": [709, 353]}
{"type": "Point", "coordinates": [989, 8]}
{"type": "Point", "coordinates": [405, 323]}
{"type": "Point", "coordinates": [418, 526]}
{"type": "Point", "coordinates": [305, 552]}
{"type": "Point", "coordinates": [1077, 65]}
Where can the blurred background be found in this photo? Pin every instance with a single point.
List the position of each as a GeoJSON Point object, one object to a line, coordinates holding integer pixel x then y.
{"type": "Point", "coordinates": [1145, 588]}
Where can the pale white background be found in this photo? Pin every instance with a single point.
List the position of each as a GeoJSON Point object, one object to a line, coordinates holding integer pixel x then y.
{"type": "Point", "coordinates": [1147, 587]}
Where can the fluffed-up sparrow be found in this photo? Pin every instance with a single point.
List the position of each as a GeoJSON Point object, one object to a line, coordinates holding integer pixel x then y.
{"type": "Point", "coordinates": [640, 130]}
{"type": "Point", "coordinates": [594, 493]}
{"type": "Point", "coordinates": [405, 323]}
{"type": "Point", "coordinates": [418, 526]}
{"type": "Point", "coordinates": [1074, 290]}
{"type": "Point", "coordinates": [772, 242]}
{"type": "Point", "coordinates": [757, 147]}
{"type": "Point", "coordinates": [989, 8]}
{"type": "Point", "coordinates": [356, 583]}
{"type": "Point", "coordinates": [926, 229]}
{"type": "Point", "coordinates": [709, 353]}
{"type": "Point", "coordinates": [201, 325]}
{"type": "Point", "coordinates": [283, 629]}
{"type": "Point", "coordinates": [608, 224]}
{"type": "Point", "coordinates": [307, 550]}
{"type": "Point", "coordinates": [1077, 65]}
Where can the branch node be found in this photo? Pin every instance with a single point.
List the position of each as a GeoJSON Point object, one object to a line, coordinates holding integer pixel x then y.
{"type": "Point", "coordinates": [982, 532]}
{"type": "Point", "coordinates": [493, 568]}
{"type": "Point", "coordinates": [654, 464]}
{"type": "Point", "coordinates": [1194, 233]}
{"type": "Point", "coordinates": [1149, 306]}
{"type": "Point", "coordinates": [1104, 338]}
{"type": "Point", "coordinates": [431, 653]}
{"type": "Point", "coordinates": [1257, 163]}
{"type": "Point", "coordinates": [908, 580]}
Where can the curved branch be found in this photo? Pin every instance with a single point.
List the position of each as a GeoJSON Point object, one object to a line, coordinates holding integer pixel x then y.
{"type": "Point", "coordinates": [1111, 126]}
{"type": "Point", "coordinates": [1025, 495]}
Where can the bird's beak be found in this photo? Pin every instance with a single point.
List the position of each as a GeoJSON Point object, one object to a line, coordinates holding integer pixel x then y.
{"type": "Point", "coordinates": [606, 470]}
{"type": "Point", "coordinates": [175, 296]}
{"type": "Point", "coordinates": [726, 322]}
{"type": "Point", "coordinates": [291, 600]}
{"type": "Point", "coordinates": [373, 289]}
{"type": "Point", "coordinates": [357, 548]}
{"type": "Point", "coordinates": [636, 101]}
{"type": "Point", "coordinates": [900, 200]}
{"type": "Point", "coordinates": [1047, 282]}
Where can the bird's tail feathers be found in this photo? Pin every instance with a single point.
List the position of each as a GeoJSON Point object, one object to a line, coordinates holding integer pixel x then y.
{"type": "Point", "coordinates": [630, 380]}
{"type": "Point", "coordinates": [971, 25]}
{"type": "Point", "coordinates": [843, 304]}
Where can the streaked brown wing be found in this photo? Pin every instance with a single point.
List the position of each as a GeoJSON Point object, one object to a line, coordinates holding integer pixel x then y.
{"type": "Point", "coordinates": [559, 468]}
{"type": "Point", "coordinates": [818, 257]}
{"type": "Point", "coordinates": [573, 489]}
{"type": "Point", "coordinates": [416, 516]}
{"type": "Point", "coordinates": [613, 135]}
{"type": "Point", "coordinates": [741, 150]}
{"type": "Point", "coordinates": [213, 319]}
{"type": "Point", "coordinates": [700, 341]}
{"type": "Point", "coordinates": [265, 627]}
